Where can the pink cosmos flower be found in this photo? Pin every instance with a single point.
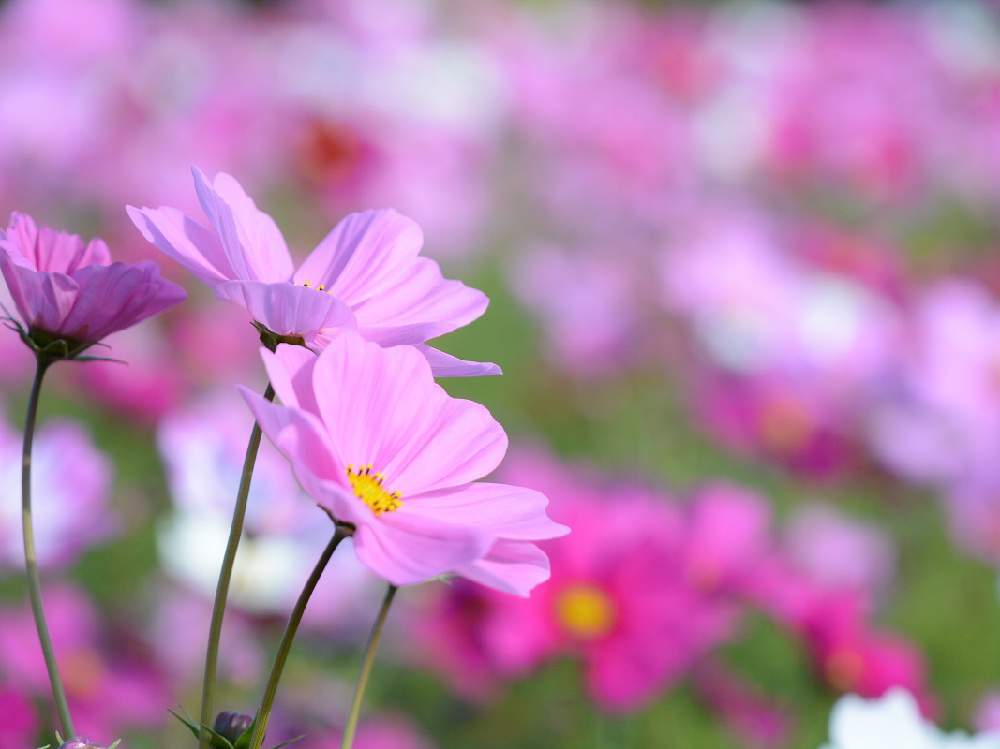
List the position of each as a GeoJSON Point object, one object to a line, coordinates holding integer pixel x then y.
{"type": "Point", "coordinates": [593, 608]}
{"type": "Point", "coordinates": [365, 275]}
{"type": "Point", "coordinates": [377, 733]}
{"type": "Point", "coordinates": [851, 657]}
{"type": "Point", "coordinates": [839, 552]}
{"type": "Point", "coordinates": [19, 726]}
{"type": "Point", "coordinates": [940, 425]}
{"type": "Point", "coordinates": [111, 685]}
{"type": "Point", "coordinates": [72, 482]}
{"type": "Point", "coordinates": [65, 289]}
{"type": "Point", "coordinates": [747, 713]}
{"type": "Point", "coordinates": [148, 388]}
{"type": "Point", "coordinates": [987, 716]}
{"type": "Point", "coordinates": [377, 442]}
{"type": "Point", "coordinates": [177, 610]}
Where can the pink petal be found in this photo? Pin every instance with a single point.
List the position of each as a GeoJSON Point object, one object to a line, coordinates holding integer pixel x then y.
{"type": "Point", "coordinates": [287, 309]}
{"type": "Point", "coordinates": [372, 400]}
{"type": "Point", "coordinates": [116, 297]}
{"type": "Point", "coordinates": [250, 238]}
{"type": "Point", "coordinates": [420, 305]}
{"type": "Point", "coordinates": [48, 249]}
{"type": "Point", "coordinates": [300, 438]}
{"type": "Point", "coordinates": [387, 410]}
{"type": "Point", "coordinates": [510, 566]}
{"type": "Point", "coordinates": [184, 240]}
{"type": "Point", "coordinates": [364, 255]}
{"type": "Point", "coordinates": [446, 365]}
{"type": "Point", "coordinates": [406, 549]}
{"type": "Point", "coordinates": [506, 511]}
{"type": "Point", "coordinates": [290, 370]}
{"type": "Point", "coordinates": [462, 444]}
{"type": "Point", "coordinates": [43, 300]}
{"type": "Point", "coordinates": [623, 675]}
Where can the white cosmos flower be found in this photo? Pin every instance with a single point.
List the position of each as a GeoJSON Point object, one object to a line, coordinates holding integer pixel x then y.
{"type": "Point", "coordinates": [894, 722]}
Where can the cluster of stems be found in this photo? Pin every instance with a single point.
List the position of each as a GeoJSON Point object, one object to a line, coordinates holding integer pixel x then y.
{"type": "Point", "coordinates": [263, 714]}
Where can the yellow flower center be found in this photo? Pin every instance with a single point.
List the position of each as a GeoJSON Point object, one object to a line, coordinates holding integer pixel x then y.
{"type": "Point", "coordinates": [368, 488]}
{"type": "Point", "coordinates": [586, 612]}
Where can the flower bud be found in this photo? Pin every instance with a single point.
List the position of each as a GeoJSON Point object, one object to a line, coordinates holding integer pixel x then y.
{"type": "Point", "coordinates": [232, 725]}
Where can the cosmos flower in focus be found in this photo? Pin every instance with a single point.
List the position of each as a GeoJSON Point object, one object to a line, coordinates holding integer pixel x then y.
{"type": "Point", "coordinates": [373, 439]}
{"type": "Point", "coordinates": [366, 274]}
{"type": "Point", "coordinates": [68, 291]}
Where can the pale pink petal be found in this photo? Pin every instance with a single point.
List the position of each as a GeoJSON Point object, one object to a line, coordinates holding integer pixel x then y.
{"type": "Point", "coordinates": [510, 566]}
{"type": "Point", "coordinates": [387, 410]}
{"type": "Point", "coordinates": [420, 305]}
{"type": "Point", "coordinates": [249, 237]}
{"type": "Point", "coordinates": [300, 438]}
{"type": "Point", "coordinates": [623, 674]}
{"type": "Point", "coordinates": [184, 240]}
{"type": "Point", "coordinates": [446, 365]}
{"type": "Point", "coordinates": [364, 255]}
{"type": "Point", "coordinates": [290, 370]}
{"type": "Point", "coordinates": [373, 400]}
{"type": "Point", "coordinates": [287, 309]}
{"type": "Point", "coordinates": [506, 511]}
{"type": "Point", "coordinates": [463, 443]}
{"type": "Point", "coordinates": [406, 549]}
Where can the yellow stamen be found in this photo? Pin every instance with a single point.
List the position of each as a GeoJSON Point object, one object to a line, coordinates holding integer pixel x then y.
{"type": "Point", "coordinates": [368, 488]}
{"type": "Point", "coordinates": [585, 612]}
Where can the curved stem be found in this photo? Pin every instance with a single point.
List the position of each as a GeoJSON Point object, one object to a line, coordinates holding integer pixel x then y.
{"type": "Point", "coordinates": [271, 690]}
{"type": "Point", "coordinates": [225, 577]}
{"type": "Point", "coordinates": [31, 558]}
{"type": "Point", "coordinates": [366, 668]}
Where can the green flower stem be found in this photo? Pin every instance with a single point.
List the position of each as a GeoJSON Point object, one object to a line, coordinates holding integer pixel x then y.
{"type": "Point", "coordinates": [225, 577]}
{"type": "Point", "coordinates": [271, 690]}
{"type": "Point", "coordinates": [366, 668]}
{"type": "Point", "coordinates": [31, 558]}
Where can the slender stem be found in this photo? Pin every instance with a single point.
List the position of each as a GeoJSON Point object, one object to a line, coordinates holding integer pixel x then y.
{"type": "Point", "coordinates": [271, 690]}
{"type": "Point", "coordinates": [366, 668]}
{"type": "Point", "coordinates": [225, 577]}
{"type": "Point", "coordinates": [31, 558]}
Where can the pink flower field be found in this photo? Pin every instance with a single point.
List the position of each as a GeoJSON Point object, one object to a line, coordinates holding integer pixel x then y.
{"type": "Point", "coordinates": [404, 374]}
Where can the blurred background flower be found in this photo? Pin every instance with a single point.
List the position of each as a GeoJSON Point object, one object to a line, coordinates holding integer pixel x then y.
{"type": "Point", "coordinates": [743, 271]}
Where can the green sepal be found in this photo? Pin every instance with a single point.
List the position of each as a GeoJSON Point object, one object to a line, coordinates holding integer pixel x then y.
{"type": "Point", "coordinates": [243, 740]}
{"type": "Point", "coordinates": [217, 740]}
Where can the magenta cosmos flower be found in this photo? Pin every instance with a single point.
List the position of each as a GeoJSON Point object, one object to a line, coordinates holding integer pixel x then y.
{"type": "Point", "coordinates": [373, 439]}
{"type": "Point", "coordinates": [70, 291]}
{"type": "Point", "coordinates": [366, 274]}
